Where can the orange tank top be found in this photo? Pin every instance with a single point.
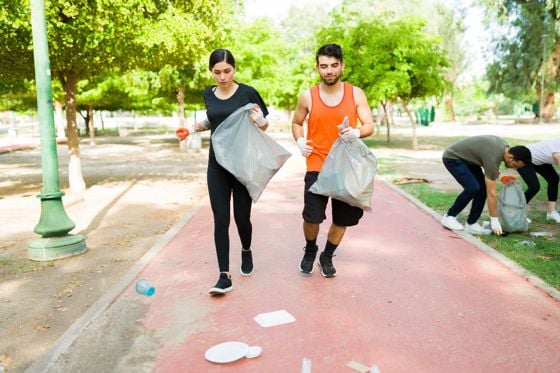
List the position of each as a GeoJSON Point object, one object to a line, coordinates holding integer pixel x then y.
{"type": "Point", "coordinates": [323, 121]}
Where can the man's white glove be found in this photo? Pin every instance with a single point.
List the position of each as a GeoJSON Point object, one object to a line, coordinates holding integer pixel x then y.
{"type": "Point", "coordinates": [304, 146]}
{"type": "Point", "coordinates": [350, 133]}
{"type": "Point", "coordinates": [257, 117]}
{"type": "Point", "coordinates": [496, 226]}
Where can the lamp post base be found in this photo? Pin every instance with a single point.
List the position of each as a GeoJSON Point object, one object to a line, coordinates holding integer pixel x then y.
{"type": "Point", "coordinates": [46, 249]}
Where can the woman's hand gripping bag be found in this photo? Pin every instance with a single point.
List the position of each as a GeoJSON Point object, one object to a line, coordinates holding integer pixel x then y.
{"type": "Point", "coordinates": [248, 153]}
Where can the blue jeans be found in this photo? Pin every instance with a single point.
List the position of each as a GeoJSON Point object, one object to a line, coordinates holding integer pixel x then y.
{"type": "Point", "coordinates": [471, 178]}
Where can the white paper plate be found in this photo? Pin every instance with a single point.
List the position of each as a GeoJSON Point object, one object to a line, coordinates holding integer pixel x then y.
{"type": "Point", "coordinates": [226, 352]}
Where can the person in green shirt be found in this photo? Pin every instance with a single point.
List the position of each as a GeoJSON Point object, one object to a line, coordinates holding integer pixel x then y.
{"type": "Point", "coordinates": [475, 162]}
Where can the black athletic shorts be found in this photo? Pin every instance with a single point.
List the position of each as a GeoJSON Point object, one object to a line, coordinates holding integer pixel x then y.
{"type": "Point", "coordinates": [315, 205]}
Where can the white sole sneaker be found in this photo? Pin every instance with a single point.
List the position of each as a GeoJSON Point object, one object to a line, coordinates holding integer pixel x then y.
{"type": "Point", "coordinates": [217, 291]}
{"type": "Point", "coordinates": [451, 222]}
{"type": "Point", "coordinates": [478, 231]}
{"type": "Point", "coordinates": [553, 216]}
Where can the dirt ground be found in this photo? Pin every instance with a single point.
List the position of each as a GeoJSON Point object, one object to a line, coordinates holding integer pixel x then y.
{"type": "Point", "coordinates": [137, 188]}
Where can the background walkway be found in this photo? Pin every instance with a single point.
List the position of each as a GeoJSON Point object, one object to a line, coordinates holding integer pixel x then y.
{"type": "Point", "coordinates": [408, 296]}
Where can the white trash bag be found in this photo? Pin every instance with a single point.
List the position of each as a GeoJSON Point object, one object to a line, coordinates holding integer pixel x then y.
{"type": "Point", "coordinates": [512, 208]}
{"type": "Point", "coordinates": [348, 173]}
{"type": "Point", "coordinates": [248, 153]}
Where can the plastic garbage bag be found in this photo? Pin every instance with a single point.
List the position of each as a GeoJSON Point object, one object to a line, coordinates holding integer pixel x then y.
{"type": "Point", "coordinates": [348, 173]}
{"type": "Point", "coordinates": [512, 208]}
{"type": "Point", "coordinates": [248, 153]}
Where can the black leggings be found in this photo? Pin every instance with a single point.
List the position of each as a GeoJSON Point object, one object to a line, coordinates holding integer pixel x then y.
{"type": "Point", "coordinates": [547, 171]}
{"type": "Point", "coordinates": [221, 184]}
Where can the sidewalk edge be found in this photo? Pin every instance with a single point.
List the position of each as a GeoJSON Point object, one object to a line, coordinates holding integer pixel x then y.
{"type": "Point", "coordinates": [45, 361]}
{"type": "Point", "coordinates": [515, 267]}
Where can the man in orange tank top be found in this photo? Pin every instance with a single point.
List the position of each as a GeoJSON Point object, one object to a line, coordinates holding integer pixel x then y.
{"type": "Point", "coordinates": [324, 107]}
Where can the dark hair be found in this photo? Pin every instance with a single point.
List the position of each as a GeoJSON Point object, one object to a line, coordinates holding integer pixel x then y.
{"type": "Point", "coordinates": [521, 153]}
{"type": "Point", "coordinates": [221, 55]}
{"type": "Point", "coordinates": [329, 50]}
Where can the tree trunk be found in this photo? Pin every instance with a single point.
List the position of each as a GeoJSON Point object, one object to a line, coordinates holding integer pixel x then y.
{"type": "Point", "coordinates": [102, 122]}
{"type": "Point", "coordinates": [413, 125]}
{"type": "Point", "coordinates": [181, 101]}
{"type": "Point", "coordinates": [450, 107]}
{"type": "Point", "coordinates": [548, 107]}
{"type": "Point", "coordinates": [91, 125]}
{"type": "Point", "coordinates": [384, 105]}
{"type": "Point", "coordinates": [59, 120]}
{"type": "Point", "coordinates": [75, 178]}
{"type": "Point", "coordinates": [389, 111]}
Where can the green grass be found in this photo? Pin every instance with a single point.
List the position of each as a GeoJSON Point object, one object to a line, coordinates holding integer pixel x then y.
{"type": "Point", "coordinates": [405, 142]}
{"type": "Point", "coordinates": [399, 141]}
{"type": "Point", "coordinates": [10, 266]}
{"type": "Point", "coordinates": [543, 260]}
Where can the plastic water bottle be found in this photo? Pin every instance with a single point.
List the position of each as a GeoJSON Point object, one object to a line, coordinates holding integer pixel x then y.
{"type": "Point", "coordinates": [145, 288]}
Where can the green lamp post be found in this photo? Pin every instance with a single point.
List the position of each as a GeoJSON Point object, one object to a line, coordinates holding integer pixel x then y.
{"type": "Point", "coordinates": [54, 224]}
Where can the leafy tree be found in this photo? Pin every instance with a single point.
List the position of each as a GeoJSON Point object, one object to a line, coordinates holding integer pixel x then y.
{"type": "Point", "coordinates": [180, 38]}
{"type": "Point", "coordinates": [448, 24]}
{"type": "Point", "coordinates": [391, 60]}
{"type": "Point", "coordinates": [264, 60]}
{"type": "Point", "coordinates": [440, 20]}
{"type": "Point", "coordinates": [89, 38]}
{"type": "Point", "coordinates": [522, 60]}
{"type": "Point", "coordinates": [300, 29]}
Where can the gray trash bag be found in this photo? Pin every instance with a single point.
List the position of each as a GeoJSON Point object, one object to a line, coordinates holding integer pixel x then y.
{"type": "Point", "coordinates": [247, 152]}
{"type": "Point", "coordinates": [512, 208]}
{"type": "Point", "coordinates": [348, 173]}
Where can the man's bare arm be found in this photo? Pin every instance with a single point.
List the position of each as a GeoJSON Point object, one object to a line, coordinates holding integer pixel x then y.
{"type": "Point", "coordinates": [491, 197]}
{"type": "Point", "coordinates": [299, 116]}
{"type": "Point", "coordinates": [364, 113]}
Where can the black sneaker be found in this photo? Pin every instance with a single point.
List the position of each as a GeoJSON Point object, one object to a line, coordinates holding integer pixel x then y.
{"type": "Point", "coordinates": [306, 264]}
{"type": "Point", "coordinates": [223, 285]}
{"type": "Point", "coordinates": [325, 263]}
{"type": "Point", "coordinates": [246, 263]}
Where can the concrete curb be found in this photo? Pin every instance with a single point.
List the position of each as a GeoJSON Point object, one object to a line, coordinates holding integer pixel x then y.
{"type": "Point", "coordinates": [516, 268]}
{"type": "Point", "coordinates": [45, 362]}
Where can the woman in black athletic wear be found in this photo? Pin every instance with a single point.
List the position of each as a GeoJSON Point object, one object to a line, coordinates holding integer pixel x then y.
{"type": "Point", "coordinates": [222, 100]}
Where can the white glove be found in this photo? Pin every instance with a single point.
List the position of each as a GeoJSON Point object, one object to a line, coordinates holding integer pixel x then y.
{"type": "Point", "coordinates": [350, 133]}
{"type": "Point", "coordinates": [257, 117]}
{"type": "Point", "coordinates": [496, 226]}
{"type": "Point", "coordinates": [304, 147]}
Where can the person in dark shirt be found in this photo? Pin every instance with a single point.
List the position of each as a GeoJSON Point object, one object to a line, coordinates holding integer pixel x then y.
{"type": "Point", "coordinates": [221, 101]}
{"type": "Point", "coordinates": [475, 163]}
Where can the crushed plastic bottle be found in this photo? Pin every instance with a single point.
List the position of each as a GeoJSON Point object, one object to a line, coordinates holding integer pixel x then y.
{"type": "Point", "coordinates": [540, 234]}
{"type": "Point", "coordinates": [529, 244]}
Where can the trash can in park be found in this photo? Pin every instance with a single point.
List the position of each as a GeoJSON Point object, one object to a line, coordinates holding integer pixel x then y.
{"type": "Point", "coordinates": [424, 115]}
